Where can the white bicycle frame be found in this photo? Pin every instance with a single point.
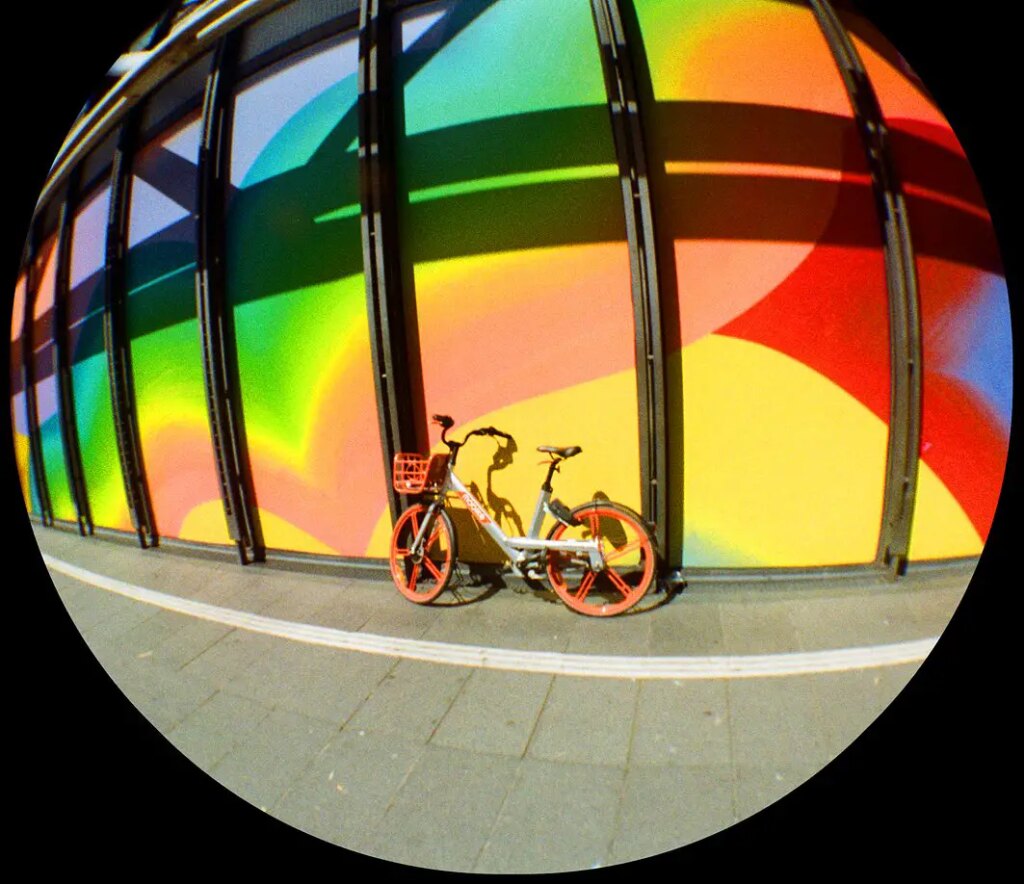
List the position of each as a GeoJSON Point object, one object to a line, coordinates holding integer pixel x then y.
{"type": "Point", "coordinates": [518, 549]}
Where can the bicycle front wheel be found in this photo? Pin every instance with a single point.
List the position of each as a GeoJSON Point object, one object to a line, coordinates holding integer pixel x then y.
{"type": "Point", "coordinates": [422, 578]}
{"type": "Point", "coordinates": [629, 555]}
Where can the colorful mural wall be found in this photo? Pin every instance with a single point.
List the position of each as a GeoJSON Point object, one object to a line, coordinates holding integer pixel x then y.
{"type": "Point", "coordinates": [89, 373]}
{"type": "Point", "coordinates": [19, 414]}
{"type": "Point", "coordinates": [165, 346]}
{"type": "Point", "coordinates": [781, 321]}
{"type": "Point", "coordinates": [515, 271]}
{"type": "Point", "coordinates": [965, 313]}
{"type": "Point", "coordinates": [295, 281]}
{"type": "Point", "coordinates": [515, 263]}
{"type": "Point", "coordinates": [45, 387]}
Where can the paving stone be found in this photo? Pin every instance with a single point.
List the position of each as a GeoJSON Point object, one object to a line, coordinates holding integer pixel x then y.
{"type": "Point", "coordinates": [410, 700]}
{"type": "Point", "coordinates": [761, 627]}
{"type": "Point", "coordinates": [215, 728]}
{"type": "Point", "coordinates": [501, 626]}
{"type": "Point", "coordinates": [163, 696]}
{"type": "Point", "coordinates": [444, 812]}
{"type": "Point", "coordinates": [495, 712]}
{"type": "Point", "coordinates": [226, 659]}
{"type": "Point", "coordinates": [681, 722]}
{"type": "Point", "coordinates": [837, 622]}
{"type": "Point", "coordinates": [625, 635]}
{"type": "Point", "coordinates": [343, 613]}
{"type": "Point", "coordinates": [151, 632]}
{"type": "Point", "coordinates": [851, 701]}
{"type": "Point", "coordinates": [698, 632]}
{"type": "Point", "coordinates": [556, 818]}
{"type": "Point", "coordinates": [103, 615]}
{"type": "Point", "coordinates": [586, 720]}
{"type": "Point", "coordinates": [777, 721]}
{"type": "Point", "coordinates": [346, 790]}
{"type": "Point", "coordinates": [264, 764]}
{"type": "Point", "coordinates": [932, 607]}
{"type": "Point", "coordinates": [319, 682]}
{"type": "Point", "coordinates": [758, 786]}
{"type": "Point", "coordinates": [189, 642]}
{"type": "Point", "coordinates": [667, 806]}
{"type": "Point", "coordinates": [407, 620]}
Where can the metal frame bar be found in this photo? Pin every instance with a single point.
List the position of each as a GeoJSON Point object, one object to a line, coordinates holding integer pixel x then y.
{"type": "Point", "coordinates": [627, 129]}
{"type": "Point", "coordinates": [118, 348]}
{"type": "Point", "coordinates": [35, 448]}
{"type": "Point", "coordinates": [904, 307]}
{"type": "Point", "coordinates": [344, 24]}
{"type": "Point", "coordinates": [188, 39]}
{"type": "Point", "coordinates": [216, 318]}
{"type": "Point", "coordinates": [65, 382]}
{"type": "Point", "coordinates": [382, 271]}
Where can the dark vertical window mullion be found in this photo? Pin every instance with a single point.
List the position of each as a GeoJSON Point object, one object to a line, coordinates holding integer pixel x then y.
{"type": "Point", "coordinates": [216, 321]}
{"type": "Point", "coordinates": [382, 271]}
{"type": "Point", "coordinates": [624, 106]}
{"type": "Point", "coordinates": [62, 350]}
{"type": "Point", "coordinates": [115, 339]}
{"type": "Point", "coordinates": [28, 380]}
{"type": "Point", "coordinates": [904, 308]}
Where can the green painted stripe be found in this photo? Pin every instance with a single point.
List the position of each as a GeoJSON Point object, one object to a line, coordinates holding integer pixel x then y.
{"type": "Point", "coordinates": [493, 182]}
{"type": "Point", "coordinates": [517, 179]}
{"type": "Point", "coordinates": [162, 278]}
{"type": "Point", "coordinates": [349, 211]}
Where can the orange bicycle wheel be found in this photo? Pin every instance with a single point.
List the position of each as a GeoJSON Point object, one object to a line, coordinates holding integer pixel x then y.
{"type": "Point", "coordinates": [422, 579]}
{"type": "Point", "coordinates": [629, 555]}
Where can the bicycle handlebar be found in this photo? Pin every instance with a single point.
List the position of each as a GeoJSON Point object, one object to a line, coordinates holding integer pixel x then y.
{"type": "Point", "coordinates": [446, 423]}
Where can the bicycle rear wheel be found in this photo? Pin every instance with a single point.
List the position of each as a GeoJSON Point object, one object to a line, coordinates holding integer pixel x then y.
{"type": "Point", "coordinates": [629, 554]}
{"type": "Point", "coordinates": [423, 578]}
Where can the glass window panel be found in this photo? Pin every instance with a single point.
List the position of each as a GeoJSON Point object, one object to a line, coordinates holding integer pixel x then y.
{"type": "Point", "coordinates": [89, 371]}
{"type": "Point", "coordinates": [779, 344]}
{"type": "Point", "coordinates": [165, 344]}
{"type": "Point", "coordinates": [45, 369]}
{"type": "Point", "coordinates": [295, 280]}
{"type": "Point", "coordinates": [19, 414]}
{"type": "Point", "coordinates": [967, 382]}
{"type": "Point", "coordinates": [514, 246]}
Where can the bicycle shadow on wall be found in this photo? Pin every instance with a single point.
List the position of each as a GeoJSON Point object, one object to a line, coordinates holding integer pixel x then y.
{"type": "Point", "coordinates": [481, 573]}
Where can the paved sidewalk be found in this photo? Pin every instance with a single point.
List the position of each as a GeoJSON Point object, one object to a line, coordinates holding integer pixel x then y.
{"type": "Point", "coordinates": [484, 770]}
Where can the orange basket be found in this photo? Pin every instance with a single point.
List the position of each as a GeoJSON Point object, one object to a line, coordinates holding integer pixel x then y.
{"type": "Point", "coordinates": [415, 473]}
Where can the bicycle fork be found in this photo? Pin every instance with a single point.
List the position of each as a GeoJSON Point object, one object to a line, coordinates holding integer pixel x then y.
{"type": "Point", "coordinates": [416, 547]}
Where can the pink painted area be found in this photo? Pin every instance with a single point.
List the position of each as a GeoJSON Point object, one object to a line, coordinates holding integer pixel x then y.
{"type": "Point", "coordinates": [508, 327]}
{"type": "Point", "coordinates": [342, 489]}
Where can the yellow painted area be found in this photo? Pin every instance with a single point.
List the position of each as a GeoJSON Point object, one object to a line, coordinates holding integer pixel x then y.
{"type": "Point", "coordinates": [289, 536]}
{"type": "Point", "coordinates": [783, 467]}
{"type": "Point", "coordinates": [21, 458]}
{"type": "Point", "coordinates": [380, 541]}
{"type": "Point", "coordinates": [940, 529]}
{"type": "Point", "coordinates": [205, 524]}
{"type": "Point", "coordinates": [609, 464]}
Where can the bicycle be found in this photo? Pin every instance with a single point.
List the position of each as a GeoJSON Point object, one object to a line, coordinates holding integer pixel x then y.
{"type": "Point", "coordinates": [599, 557]}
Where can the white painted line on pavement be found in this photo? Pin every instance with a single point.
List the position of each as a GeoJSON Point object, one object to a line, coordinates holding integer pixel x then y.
{"type": "Point", "coordinates": [552, 663]}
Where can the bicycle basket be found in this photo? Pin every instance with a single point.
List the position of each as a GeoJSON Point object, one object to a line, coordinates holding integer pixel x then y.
{"type": "Point", "coordinates": [414, 473]}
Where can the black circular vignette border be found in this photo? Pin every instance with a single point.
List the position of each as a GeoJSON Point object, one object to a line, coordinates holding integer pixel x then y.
{"type": "Point", "coordinates": [918, 788]}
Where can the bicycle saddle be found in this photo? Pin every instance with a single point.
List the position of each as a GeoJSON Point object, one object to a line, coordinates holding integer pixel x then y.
{"type": "Point", "coordinates": [563, 453]}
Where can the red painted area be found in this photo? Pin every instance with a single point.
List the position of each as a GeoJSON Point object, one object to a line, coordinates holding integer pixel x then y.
{"type": "Point", "coordinates": [832, 312]}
